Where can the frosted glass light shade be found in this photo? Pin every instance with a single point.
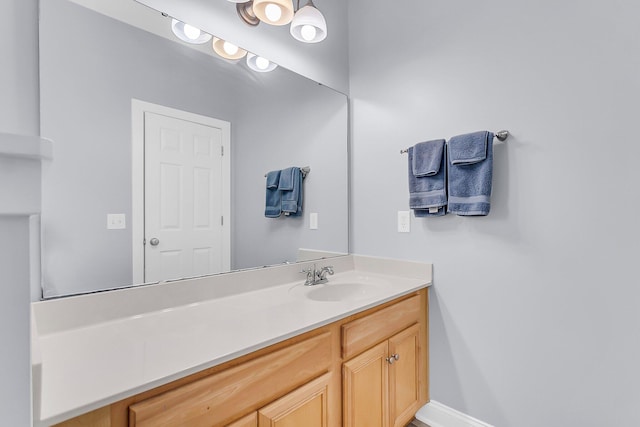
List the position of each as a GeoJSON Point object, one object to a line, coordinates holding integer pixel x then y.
{"type": "Point", "coordinates": [264, 11]}
{"type": "Point", "coordinates": [188, 33]}
{"type": "Point", "coordinates": [227, 50]}
{"type": "Point", "coordinates": [309, 25]}
{"type": "Point", "coordinates": [260, 64]}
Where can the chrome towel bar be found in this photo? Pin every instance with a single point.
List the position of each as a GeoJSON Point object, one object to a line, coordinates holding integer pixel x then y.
{"type": "Point", "coordinates": [305, 170]}
{"type": "Point", "coordinates": [501, 135]}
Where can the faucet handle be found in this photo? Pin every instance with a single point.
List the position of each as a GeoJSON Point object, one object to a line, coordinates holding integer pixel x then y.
{"type": "Point", "coordinates": [310, 273]}
{"type": "Point", "coordinates": [322, 273]}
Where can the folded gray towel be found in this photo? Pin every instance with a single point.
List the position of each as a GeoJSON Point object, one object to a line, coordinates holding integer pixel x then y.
{"type": "Point", "coordinates": [273, 202]}
{"type": "Point", "coordinates": [427, 178]}
{"type": "Point", "coordinates": [470, 173]}
{"type": "Point", "coordinates": [427, 158]}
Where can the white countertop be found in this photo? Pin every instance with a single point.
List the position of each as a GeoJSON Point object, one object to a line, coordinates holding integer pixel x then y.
{"type": "Point", "coordinates": [93, 350]}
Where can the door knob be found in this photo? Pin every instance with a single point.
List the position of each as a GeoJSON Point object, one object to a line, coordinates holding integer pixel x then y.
{"type": "Point", "coordinates": [154, 242]}
{"type": "Point", "coordinates": [392, 359]}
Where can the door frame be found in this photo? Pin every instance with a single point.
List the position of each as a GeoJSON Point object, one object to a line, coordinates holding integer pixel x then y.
{"type": "Point", "coordinates": [138, 108]}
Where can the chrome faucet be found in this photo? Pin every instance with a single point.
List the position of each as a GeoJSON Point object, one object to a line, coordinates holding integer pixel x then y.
{"type": "Point", "coordinates": [315, 276]}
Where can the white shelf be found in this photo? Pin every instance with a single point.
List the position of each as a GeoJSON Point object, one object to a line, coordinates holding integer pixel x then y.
{"type": "Point", "coordinates": [25, 146]}
{"type": "Point", "coordinates": [20, 173]}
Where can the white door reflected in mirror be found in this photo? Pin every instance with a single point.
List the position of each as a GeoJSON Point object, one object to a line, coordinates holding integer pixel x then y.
{"type": "Point", "coordinates": [184, 199]}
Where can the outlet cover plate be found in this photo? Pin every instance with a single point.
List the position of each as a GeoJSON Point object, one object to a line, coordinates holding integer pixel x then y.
{"type": "Point", "coordinates": [404, 221]}
{"type": "Point", "coordinates": [116, 222]}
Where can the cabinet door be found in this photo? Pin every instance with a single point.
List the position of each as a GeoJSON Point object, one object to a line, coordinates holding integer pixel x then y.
{"type": "Point", "coordinates": [365, 389]}
{"type": "Point", "coordinates": [305, 406]}
{"type": "Point", "coordinates": [250, 420]}
{"type": "Point", "coordinates": [404, 375]}
{"type": "Point", "coordinates": [221, 397]}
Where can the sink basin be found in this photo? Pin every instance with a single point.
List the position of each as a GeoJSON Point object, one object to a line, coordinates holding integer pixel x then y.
{"type": "Point", "coordinates": [342, 291]}
{"type": "Point", "coordinates": [338, 291]}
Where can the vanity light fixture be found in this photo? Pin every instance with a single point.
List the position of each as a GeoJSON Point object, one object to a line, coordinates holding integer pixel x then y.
{"type": "Point", "coordinates": [227, 50]}
{"type": "Point", "coordinates": [246, 13]}
{"type": "Point", "coordinates": [188, 33]}
{"type": "Point", "coordinates": [221, 47]}
{"type": "Point", "coordinates": [260, 64]}
{"type": "Point", "coordinates": [274, 12]}
{"type": "Point", "coordinates": [308, 25]}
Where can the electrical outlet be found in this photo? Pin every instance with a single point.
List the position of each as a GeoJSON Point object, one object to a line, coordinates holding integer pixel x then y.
{"type": "Point", "coordinates": [313, 221]}
{"type": "Point", "coordinates": [116, 222]}
{"type": "Point", "coordinates": [404, 221]}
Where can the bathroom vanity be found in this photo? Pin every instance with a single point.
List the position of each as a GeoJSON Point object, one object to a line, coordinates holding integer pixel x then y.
{"type": "Point", "coordinates": [250, 348]}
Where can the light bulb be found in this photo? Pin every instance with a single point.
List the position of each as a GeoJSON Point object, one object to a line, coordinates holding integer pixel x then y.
{"type": "Point", "coordinates": [273, 12]}
{"type": "Point", "coordinates": [262, 63]}
{"type": "Point", "coordinates": [308, 32]}
{"type": "Point", "coordinates": [308, 25]}
{"type": "Point", "coordinates": [191, 32]}
{"type": "Point", "coordinates": [230, 48]}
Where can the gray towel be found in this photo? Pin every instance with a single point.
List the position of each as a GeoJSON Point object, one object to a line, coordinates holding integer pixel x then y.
{"type": "Point", "coordinates": [470, 173]}
{"type": "Point", "coordinates": [427, 178]}
{"type": "Point", "coordinates": [427, 158]}
{"type": "Point", "coordinates": [290, 187]}
{"type": "Point", "coordinates": [273, 203]}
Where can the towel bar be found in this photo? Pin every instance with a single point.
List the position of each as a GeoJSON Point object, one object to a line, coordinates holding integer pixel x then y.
{"type": "Point", "coordinates": [305, 170]}
{"type": "Point", "coordinates": [502, 135]}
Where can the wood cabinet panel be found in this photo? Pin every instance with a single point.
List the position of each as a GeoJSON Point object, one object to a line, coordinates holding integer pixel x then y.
{"type": "Point", "coordinates": [404, 375]}
{"type": "Point", "coordinates": [382, 386]}
{"type": "Point", "coordinates": [250, 420]}
{"type": "Point", "coordinates": [367, 331]}
{"type": "Point", "coordinates": [217, 399]}
{"type": "Point", "coordinates": [365, 389]}
{"type": "Point", "coordinates": [306, 406]}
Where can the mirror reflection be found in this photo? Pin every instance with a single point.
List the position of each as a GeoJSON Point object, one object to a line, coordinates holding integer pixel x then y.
{"type": "Point", "coordinates": [108, 89]}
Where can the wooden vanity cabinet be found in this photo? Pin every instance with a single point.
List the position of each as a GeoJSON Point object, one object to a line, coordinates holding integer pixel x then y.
{"type": "Point", "coordinates": [380, 386]}
{"type": "Point", "coordinates": [385, 385]}
{"type": "Point", "coordinates": [307, 406]}
{"type": "Point", "coordinates": [250, 420]}
{"type": "Point", "coordinates": [405, 397]}
{"type": "Point", "coordinates": [337, 375]}
{"type": "Point", "coordinates": [216, 399]}
{"type": "Point", "coordinates": [365, 385]}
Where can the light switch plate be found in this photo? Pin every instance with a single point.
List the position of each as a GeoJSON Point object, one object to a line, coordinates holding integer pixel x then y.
{"type": "Point", "coordinates": [116, 221]}
{"type": "Point", "coordinates": [313, 221]}
{"type": "Point", "coordinates": [404, 221]}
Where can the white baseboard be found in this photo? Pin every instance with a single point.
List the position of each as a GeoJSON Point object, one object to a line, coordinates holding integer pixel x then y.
{"type": "Point", "coordinates": [435, 414]}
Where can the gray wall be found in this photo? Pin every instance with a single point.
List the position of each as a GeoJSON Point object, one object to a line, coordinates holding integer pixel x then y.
{"type": "Point", "coordinates": [15, 366]}
{"type": "Point", "coordinates": [534, 312]}
{"type": "Point", "coordinates": [19, 115]}
{"type": "Point", "coordinates": [86, 88]}
{"type": "Point", "coordinates": [19, 70]}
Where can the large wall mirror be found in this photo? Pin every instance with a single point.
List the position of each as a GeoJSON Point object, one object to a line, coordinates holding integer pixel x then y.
{"type": "Point", "coordinates": [98, 77]}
